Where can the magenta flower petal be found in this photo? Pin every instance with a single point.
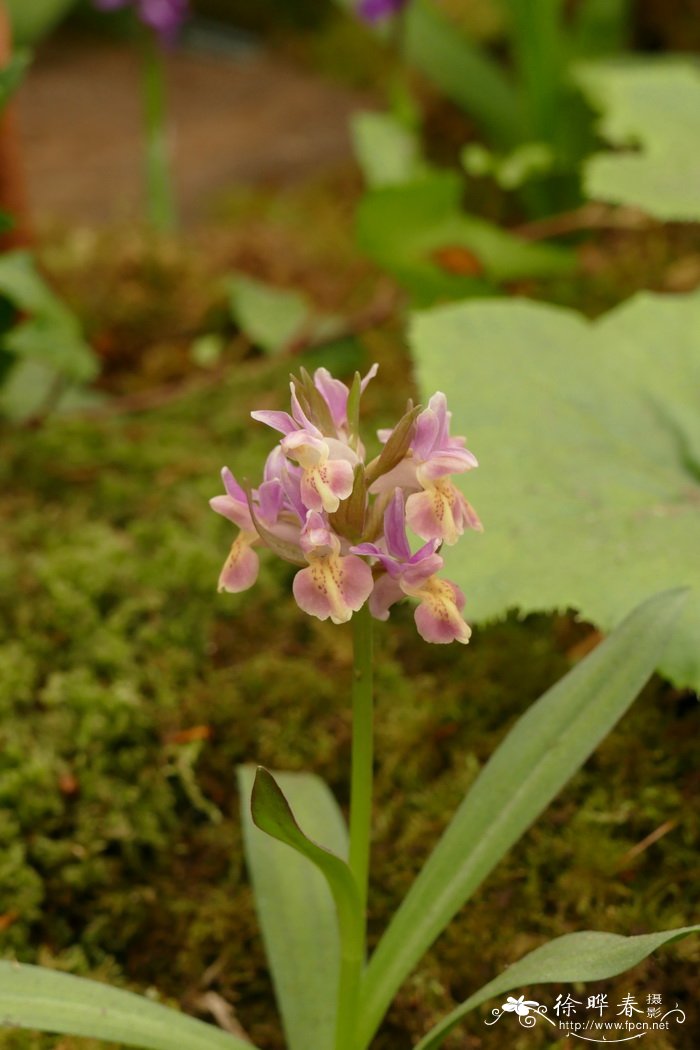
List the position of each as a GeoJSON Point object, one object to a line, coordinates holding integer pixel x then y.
{"type": "Point", "coordinates": [386, 593]}
{"type": "Point", "coordinates": [333, 586]}
{"type": "Point", "coordinates": [440, 511]}
{"type": "Point", "coordinates": [373, 11]}
{"type": "Point", "coordinates": [334, 393]}
{"type": "Point", "coordinates": [324, 486]}
{"type": "Point", "coordinates": [234, 505]}
{"type": "Point", "coordinates": [281, 421]}
{"type": "Point", "coordinates": [438, 616]}
{"type": "Point", "coordinates": [240, 569]}
{"type": "Point", "coordinates": [395, 527]}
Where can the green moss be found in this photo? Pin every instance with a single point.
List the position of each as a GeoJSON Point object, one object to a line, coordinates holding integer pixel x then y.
{"type": "Point", "coordinates": [129, 691]}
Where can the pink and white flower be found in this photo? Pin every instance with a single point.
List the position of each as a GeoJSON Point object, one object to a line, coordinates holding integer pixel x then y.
{"type": "Point", "coordinates": [313, 509]}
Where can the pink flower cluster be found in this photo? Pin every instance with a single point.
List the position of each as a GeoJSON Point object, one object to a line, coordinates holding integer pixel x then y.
{"type": "Point", "coordinates": [343, 521]}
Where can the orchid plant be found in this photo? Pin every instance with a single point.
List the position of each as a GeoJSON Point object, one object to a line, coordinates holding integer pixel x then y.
{"type": "Point", "coordinates": [350, 524]}
{"type": "Point", "coordinates": [161, 22]}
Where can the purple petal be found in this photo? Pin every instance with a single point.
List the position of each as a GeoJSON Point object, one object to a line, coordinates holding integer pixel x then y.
{"type": "Point", "coordinates": [281, 421]}
{"type": "Point", "coordinates": [414, 576]}
{"type": "Point", "coordinates": [303, 421]}
{"type": "Point", "coordinates": [334, 393]}
{"type": "Point", "coordinates": [372, 550]}
{"type": "Point", "coordinates": [333, 587]}
{"type": "Point", "coordinates": [445, 461]}
{"type": "Point", "coordinates": [386, 593]}
{"type": "Point", "coordinates": [165, 17]}
{"type": "Point", "coordinates": [233, 489]}
{"type": "Point", "coordinates": [270, 496]}
{"type": "Point", "coordinates": [373, 11]}
{"type": "Point", "coordinates": [395, 527]}
{"type": "Point", "coordinates": [316, 536]}
{"type": "Point", "coordinates": [425, 434]}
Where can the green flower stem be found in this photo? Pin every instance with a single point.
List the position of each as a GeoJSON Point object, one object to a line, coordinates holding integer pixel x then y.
{"type": "Point", "coordinates": [353, 952]}
{"type": "Point", "coordinates": [159, 192]}
{"type": "Point", "coordinates": [362, 753]}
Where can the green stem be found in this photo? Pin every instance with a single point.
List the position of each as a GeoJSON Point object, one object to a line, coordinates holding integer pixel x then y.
{"type": "Point", "coordinates": [159, 194]}
{"type": "Point", "coordinates": [353, 953]}
{"type": "Point", "coordinates": [362, 752]}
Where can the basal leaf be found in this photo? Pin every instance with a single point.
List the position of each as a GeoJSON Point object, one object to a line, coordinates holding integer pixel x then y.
{"type": "Point", "coordinates": [49, 1001]}
{"type": "Point", "coordinates": [548, 744]}
{"type": "Point", "coordinates": [652, 111]}
{"type": "Point", "coordinates": [296, 910]}
{"type": "Point", "coordinates": [586, 956]}
{"type": "Point", "coordinates": [588, 439]}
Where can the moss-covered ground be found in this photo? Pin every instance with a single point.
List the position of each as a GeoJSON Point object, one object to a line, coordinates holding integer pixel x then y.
{"type": "Point", "coordinates": [130, 690]}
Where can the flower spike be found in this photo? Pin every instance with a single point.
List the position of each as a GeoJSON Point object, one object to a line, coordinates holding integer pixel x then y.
{"type": "Point", "coordinates": [344, 522]}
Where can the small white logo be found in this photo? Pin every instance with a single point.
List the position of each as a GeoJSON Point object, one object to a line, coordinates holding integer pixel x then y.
{"type": "Point", "coordinates": [631, 1021]}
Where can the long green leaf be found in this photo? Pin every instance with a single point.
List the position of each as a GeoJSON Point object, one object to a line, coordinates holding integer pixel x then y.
{"type": "Point", "coordinates": [543, 750]}
{"type": "Point", "coordinates": [273, 815]}
{"type": "Point", "coordinates": [463, 71]}
{"type": "Point", "coordinates": [296, 909]}
{"type": "Point", "coordinates": [586, 956]}
{"type": "Point", "coordinates": [49, 1001]}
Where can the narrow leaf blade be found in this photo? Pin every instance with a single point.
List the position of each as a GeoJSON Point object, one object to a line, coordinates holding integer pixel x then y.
{"type": "Point", "coordinates": [296, 909]}
{"type": "Point", "coordinates": [543, 750]}
{"type": "Point", "coordinates": [587, 956]}
{"type": "Point", "coordinates": [49, 1001]}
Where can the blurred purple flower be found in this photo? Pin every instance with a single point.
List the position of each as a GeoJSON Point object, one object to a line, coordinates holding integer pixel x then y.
{"type": "Point", "coordinates": [374, 11]}
{"type": "Point", "coordinates": [164, 17]}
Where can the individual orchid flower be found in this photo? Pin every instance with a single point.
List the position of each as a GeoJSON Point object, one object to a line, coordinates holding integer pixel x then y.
{"type": "Point", "coordinates": [333, 585]}
{"type": "Point", "coordinates": [438, 615]}
{"type": "Point", "coordinates": [437, 507]}
{"type": "Point", "coordinates": [327, 462]}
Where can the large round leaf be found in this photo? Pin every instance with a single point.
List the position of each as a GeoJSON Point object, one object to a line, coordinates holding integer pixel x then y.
{"type": "Point", "coordinates": [588, 438]}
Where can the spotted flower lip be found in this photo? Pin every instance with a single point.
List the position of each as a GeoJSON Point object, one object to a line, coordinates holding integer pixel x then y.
{"type": "Point", "coordinates": [343, 522]}
{"type": "Point", "coordinates": [438, 615]}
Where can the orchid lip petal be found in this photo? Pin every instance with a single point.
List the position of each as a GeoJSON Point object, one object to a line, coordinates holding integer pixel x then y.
{"type": "Point", "coordinates": [333, 587]}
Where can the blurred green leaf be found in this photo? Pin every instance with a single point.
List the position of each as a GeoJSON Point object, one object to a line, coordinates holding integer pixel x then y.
{"type": "Point", "coordinates": [652, 111]}
{"type": "Point", "coordinates": [295, 907]}
{"type": "Point", "coordinates": [33, 19]}
{"type": "Point", "coordinates": [548, 744]}
{"type": "Point", "coordinates": [48, 1001]}
{"type": "Point", "coordinates": [419, 233]}
{"type": "Point", "coordinates": [387, 151]}
{"type": "Point", "coordinates": [272, 318]}
{"type": "Point", "coordinates": [46, 343]}
{"type": "Point", "coordinates": [600, 27]}
{"type": "Point", "coordinates": [463, 70]}
{"type": "Point", "coordinates": [588, 438]}
{"type": "Point", "coordinates": [587, 956]}
{"type": "Point", "coordinates": [12, 75]}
